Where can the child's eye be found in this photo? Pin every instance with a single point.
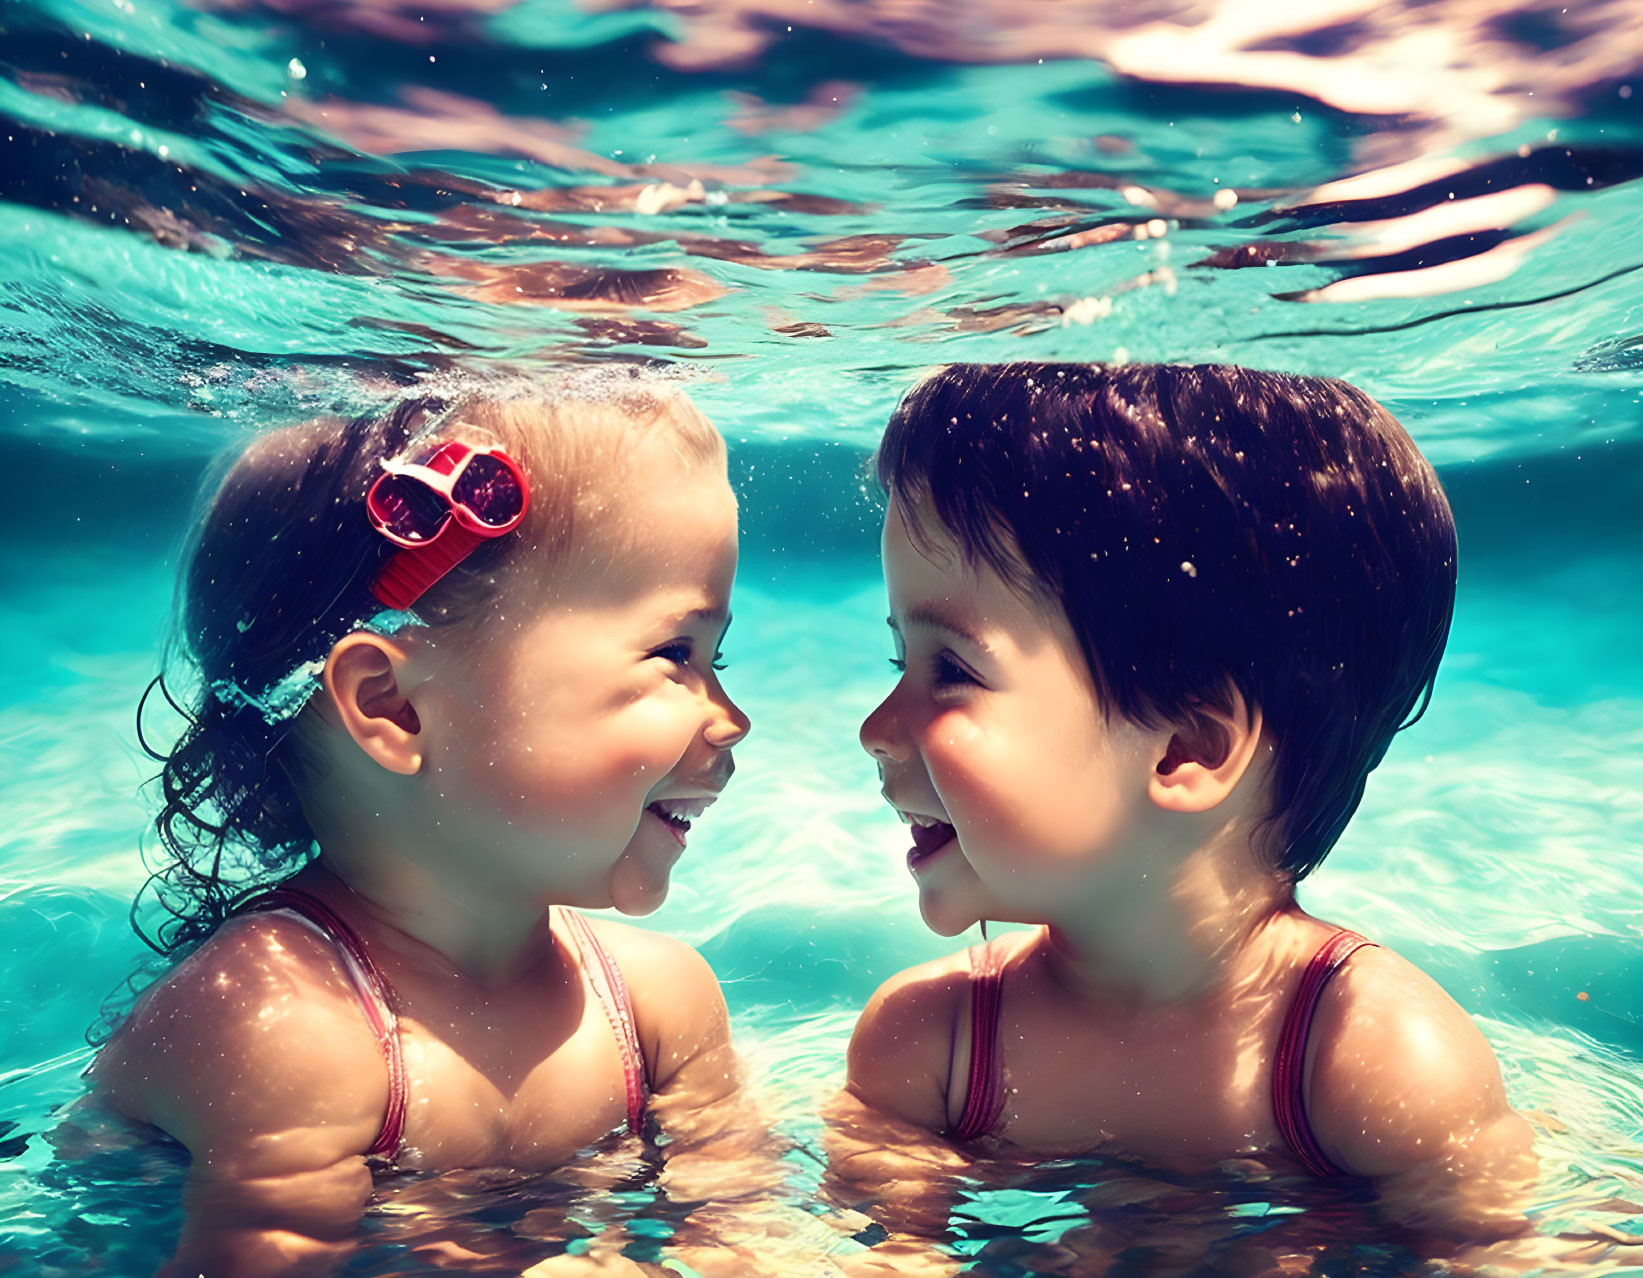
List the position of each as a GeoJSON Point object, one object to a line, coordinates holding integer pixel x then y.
{"type": "Point", "coordinates": [681, 653]}
{"type": "Point", "coordinates": [945, 672]}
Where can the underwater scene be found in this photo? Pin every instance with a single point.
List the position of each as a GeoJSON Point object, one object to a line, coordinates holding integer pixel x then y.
{"type": "Point", "coordinates": [225, 216]}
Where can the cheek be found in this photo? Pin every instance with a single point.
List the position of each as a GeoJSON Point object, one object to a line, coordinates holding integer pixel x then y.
{"type": "Point", "coordinates": [584, 769]}
{"type": "Point", "coordinates": [1040, 791]}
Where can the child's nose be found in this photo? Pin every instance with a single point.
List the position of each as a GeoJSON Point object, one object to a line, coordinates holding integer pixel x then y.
{"type": "Point", "coordinates": [881, 734]}
{"type": "Point", "coordinates": [729, 724]}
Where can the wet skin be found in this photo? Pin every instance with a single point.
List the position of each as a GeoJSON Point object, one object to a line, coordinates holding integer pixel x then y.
{"type": "Point", "coordinates": [467, 786]}
{"type": "Point", "coordinates": [1141, 1013]}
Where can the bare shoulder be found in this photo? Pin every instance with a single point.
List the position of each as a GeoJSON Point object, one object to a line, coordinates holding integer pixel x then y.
{"type": "Point", "coordinates": [1401, 1076]}
{"type": "Point", "coordinates": [658, 969]}
{"type": "Point", "coordinates": [903, 1043]}
{"type": "Point", "coordinates": [255, 1035]}
{"type": "Point", "coordinates": [678, 1008]}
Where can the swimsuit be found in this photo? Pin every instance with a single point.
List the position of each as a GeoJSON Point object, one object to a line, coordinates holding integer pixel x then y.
{"type": "Point", "coordinates": [377, 999]}
{"type": "Point", "coordinates": [984, 1098]}
{"type": "Point", "coordinates": [1289, 1066]}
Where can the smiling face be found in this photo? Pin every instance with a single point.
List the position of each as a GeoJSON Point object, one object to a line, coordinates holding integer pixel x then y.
{"type": "Point", "coordinates": [576, 748]}
{"type": "Point", "coordinates": [1033, 803]}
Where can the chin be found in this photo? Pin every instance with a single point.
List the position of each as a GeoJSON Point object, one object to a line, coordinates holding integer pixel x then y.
{"type": "Point", "coordinates": [945, 920]}
{"type": "Point", "coordinates": [636, 893]}
{"type": "Point", "coordinates": [638, 906]}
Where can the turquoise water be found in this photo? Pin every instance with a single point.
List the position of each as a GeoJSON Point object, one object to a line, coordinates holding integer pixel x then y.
{"type": "Point", "coordinates": [199, 242]}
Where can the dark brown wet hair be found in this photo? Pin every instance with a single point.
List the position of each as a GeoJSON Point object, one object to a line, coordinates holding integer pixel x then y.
{"type": "Point", "coordinates": [1205, 527]}
{"type": "Point", "coordinates": [280, 567]}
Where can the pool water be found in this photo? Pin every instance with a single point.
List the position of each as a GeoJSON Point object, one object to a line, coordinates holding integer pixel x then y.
{"type": "Point", "coordinates": [221, 217]}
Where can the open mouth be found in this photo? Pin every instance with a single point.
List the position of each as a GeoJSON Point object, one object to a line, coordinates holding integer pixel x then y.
{"type": "Point", "coordinates": [677, 814]}
{"type": "Point", "coordinates": [928, 839]}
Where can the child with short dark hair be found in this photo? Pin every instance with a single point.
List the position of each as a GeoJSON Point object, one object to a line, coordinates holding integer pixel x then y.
{"type": "Point", "coordinates": [1155, 626]}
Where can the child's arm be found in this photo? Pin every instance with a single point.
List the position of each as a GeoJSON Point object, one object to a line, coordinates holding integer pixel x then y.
{"type": "Point", "coordinates": [1406, 1091]}
{"type": "Point", "coordinates": [253, 1055]}
{"type": "Point", "coordinates": [723, 1168]}
{"type": "Point", "coordinates": [684, 1030]}
{"type": "Point", "coordinates": [885, 1156]}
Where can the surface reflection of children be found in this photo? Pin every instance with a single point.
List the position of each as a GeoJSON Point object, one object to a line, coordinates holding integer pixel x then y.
{"type": "Point", "coordinates": [435, 759]}
{"type": "Point", "coordinates": [1156, 625]}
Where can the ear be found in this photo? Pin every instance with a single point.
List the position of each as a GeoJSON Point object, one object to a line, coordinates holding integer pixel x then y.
{"type": "Point", "coordinates": [1206, 756]}
{"type": "Point", "coordinates": [364, 676]}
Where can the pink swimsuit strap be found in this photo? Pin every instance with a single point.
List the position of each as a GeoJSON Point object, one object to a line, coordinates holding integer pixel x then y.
{"type": "Point", "coordinates": [377, 1000]}
{"type": "Point", "coordinates": [1289, 1065]}
{"type": "Point", "coordinates": [373, 991]}
{"type": "Point", "coordinates": [613, 995]}
{"type": "Point", "coordinates": [984, 1095]}
{"type": "Point", "coordinates": [984, 1100]}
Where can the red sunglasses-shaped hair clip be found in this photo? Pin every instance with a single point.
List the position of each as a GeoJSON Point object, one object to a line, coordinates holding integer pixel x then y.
{"type": "Point", "coordinates": [439, 507]}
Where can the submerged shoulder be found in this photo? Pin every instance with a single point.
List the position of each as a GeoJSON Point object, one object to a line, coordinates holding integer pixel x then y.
{"type": "Point", "coordinates": [678, 1008]}
{"type": "Point", "coordinates": [903, 1044]}
{"type": "Point", "coordinates": [255, 1032]}
{"type": "Point", "coordinates": [656, 968]}
{"type": "Point", "coordinates": [924, 994]}
{"type": "Point", "coordinates": [1399, 1073]}
{"type": "Point", "coordinates": [256, 972]}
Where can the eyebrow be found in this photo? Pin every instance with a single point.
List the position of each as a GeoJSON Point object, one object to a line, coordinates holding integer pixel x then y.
{"type": "Point", "coordinates": [705, 615]}
{"type": "Point", "coordinates": [940, 616]}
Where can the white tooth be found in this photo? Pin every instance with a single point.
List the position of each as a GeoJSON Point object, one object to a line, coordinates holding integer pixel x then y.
{"type": "Point", "coordinates": [684, 809]}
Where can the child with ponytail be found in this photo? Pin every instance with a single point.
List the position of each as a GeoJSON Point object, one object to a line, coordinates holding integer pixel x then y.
{"type": "Point", "coordinates": [454, 680]}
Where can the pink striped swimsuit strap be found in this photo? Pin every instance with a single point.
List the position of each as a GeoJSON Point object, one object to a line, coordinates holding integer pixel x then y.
{"type": "Point", "coordinates": [373, 990]}
{"type": "Point", "coordinates": [1289, 1067]}
{"type": "Point", "coordinates": [984, 1097]}
{"type": "Point", "coordinates": [612, 992]}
